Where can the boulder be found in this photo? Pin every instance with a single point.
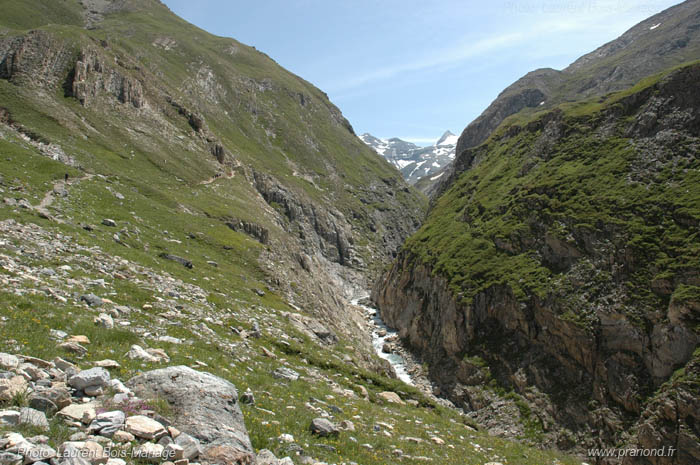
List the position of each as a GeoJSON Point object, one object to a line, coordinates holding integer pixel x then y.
{"type": "Point", "coordinates": [323, 427]}
{"type": "Point", "coordinates": [204, 406]}
{"type": "Point", "coordinates": [92, 300]}
{"type": "Point", "coordinates": [32, 417]}
{"type": "Point", "coordinates": [107, 423]}
{"type": "Point", "coordinates": [391, 397]}
{"type": "Point", "coordinates": [97, 377]}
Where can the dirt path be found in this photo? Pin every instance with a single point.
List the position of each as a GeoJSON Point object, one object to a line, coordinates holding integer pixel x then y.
{"type": "Point", "coordinates": [216, 177]}
{"type": "Point", "coordinates": [57, 189]}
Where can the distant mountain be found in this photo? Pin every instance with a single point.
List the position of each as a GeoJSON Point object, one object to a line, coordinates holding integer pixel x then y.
{"type": "Point", "coordinates": [658, 43]}
{"type": "Point", "coordinates": [413, 161]}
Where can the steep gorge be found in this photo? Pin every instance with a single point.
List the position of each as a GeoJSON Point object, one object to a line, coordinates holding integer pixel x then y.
{"type": "Point", "coordinates": [557, 276]}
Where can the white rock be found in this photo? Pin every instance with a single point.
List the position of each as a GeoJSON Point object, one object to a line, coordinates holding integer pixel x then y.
{"type": "Point", "coordinates": [8, 362]}
{"type": "Point", "coordinates": [144, 427]}
{"type": "Point", "coordinates": [104, 321]}
{"type": "Point", "coordinates": [77, 412]}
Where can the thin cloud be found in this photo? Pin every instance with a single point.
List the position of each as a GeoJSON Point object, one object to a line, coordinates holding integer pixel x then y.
{"type": "Point", "coordinates": [449, 57]}
{"type": "Point", "coordinates": [598, 15]}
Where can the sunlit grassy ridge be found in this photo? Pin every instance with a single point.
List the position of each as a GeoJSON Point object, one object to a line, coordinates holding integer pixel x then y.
{"type": "Point", "coordinates": [584, 184]}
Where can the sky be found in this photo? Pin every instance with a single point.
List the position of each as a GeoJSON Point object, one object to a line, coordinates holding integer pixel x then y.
{"type": "Point", "coordinates": [415, 68]}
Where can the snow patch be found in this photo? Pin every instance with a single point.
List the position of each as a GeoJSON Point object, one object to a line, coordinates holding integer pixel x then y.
{"type": "Point", "coordinates": [450, 140]}
{"type": "Point", "coordinates": [654, 26]}
{"type": "Point", "coordinates": [437, 177]}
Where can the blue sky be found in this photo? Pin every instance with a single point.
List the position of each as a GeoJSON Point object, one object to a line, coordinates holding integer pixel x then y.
{"type": "Point", "coordinates": [415, 68]}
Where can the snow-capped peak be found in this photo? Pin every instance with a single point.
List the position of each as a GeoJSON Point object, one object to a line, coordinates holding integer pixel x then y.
{"type": "Point", "coordinates": [447, 139]}
{"type": "Point", "coordinates": [413, 161]}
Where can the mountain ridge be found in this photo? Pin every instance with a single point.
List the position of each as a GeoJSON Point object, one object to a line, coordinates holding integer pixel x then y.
{"type": "Point", "coordinates": [414, 162]}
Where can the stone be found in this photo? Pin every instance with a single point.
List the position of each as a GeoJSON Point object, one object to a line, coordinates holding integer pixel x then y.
{"type": "Point", "coordinates": [37, 453]}
{"type": "Point", "coordinates": [213, 419]}
{"type": "Point", "coordinates": [73, 347]}
{"type": "Point", "coordinates": [226, 454]}
{"type": "Point", "coordinates": [32, 417]}
{"type": "Point", "coordinates": [79, 338]}
{"type": "Point", "coordinates": [77, 412]}
{"type": "Point", "coordinates": [288, 438]}
{"type": "Point", "coordinates": [61, 364]}
{"type": "Point", "coordinates": [90, 451]}
{"type": "Point", "coordinates": [123, 436]}
{"type": "Point", "coordinates": [93, 377]}
{"type": "Point", "coordinates": [8, 458]}
{"type": "Point", "coordinates": [104, 320]}
{"type": "Point", "coordinates": [9, 417]}
{"type": "Point", "coordinates": [107, 364]}
{"type": "Point", "coordinates": [109, 222]}
{"type": "Point", "coordinates": [148, 452]}
{"type": "Point", "coordinates": [285, 373]}
{"type": "Point", "coordinates": [9, 388]}
{"type": "Point", "coordinates": [107, 423]}
{"type": "Point", "coordinates": [92, 300]}
{"type": "Point", "coordinates": [8, 362]}
{"type": "Point", "coordinates": [174, 452]}
{"type": "Point", "coordinates": [144, 427]}
{"type": "Point", "coordinates": [190, 446]}
{"type": "Point", "coordinates": [437, 440]}
{"type": "Point", "coordinates": [115, 461]}
{"type": "Point", "coordinates": [266, 457]}
{"type": "Point", "coordinates": [323, 427]}
{"type": "Point", "coordinates": [150, 355]}
{"type": "Point", "coordinates": [42, 404]}
{"type": "Point", "coordinates": [391, 397]}
{"type": "Point", "coordinates": [248, 397]}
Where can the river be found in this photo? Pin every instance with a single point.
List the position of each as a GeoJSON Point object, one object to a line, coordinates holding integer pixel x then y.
{"type": "Point", "coordinates": [378, 328]}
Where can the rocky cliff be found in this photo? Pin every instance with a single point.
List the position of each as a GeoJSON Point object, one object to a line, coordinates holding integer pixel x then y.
{"type": "Point", "coordinates": [556, 281]}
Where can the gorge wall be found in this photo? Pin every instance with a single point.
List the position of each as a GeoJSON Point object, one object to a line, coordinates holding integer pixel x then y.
{"type": "Point", "coordinates": [557, 276]}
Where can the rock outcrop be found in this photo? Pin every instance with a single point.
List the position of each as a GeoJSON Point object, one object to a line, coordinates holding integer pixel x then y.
{"type": "Point", "coordinates": [204, 406]}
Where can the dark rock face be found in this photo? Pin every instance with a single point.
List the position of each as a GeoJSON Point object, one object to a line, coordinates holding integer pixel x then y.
{"type": "Point", "coordinates": [606, 380]}
{"type": "Point", "coordinates": [91, 77]}
{"type": "Point", "coordinates": [35, 57]}
{"type": "Point", "coordinates": [204, 406]}
{"type": "Point", "coordinates": [252, 229]}
{"type": "Point", "coordinates": [325, 230]}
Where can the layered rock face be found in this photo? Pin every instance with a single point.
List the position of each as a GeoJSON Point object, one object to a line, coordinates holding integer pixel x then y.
{"type": "Point", "coordinates": [540, 271]}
